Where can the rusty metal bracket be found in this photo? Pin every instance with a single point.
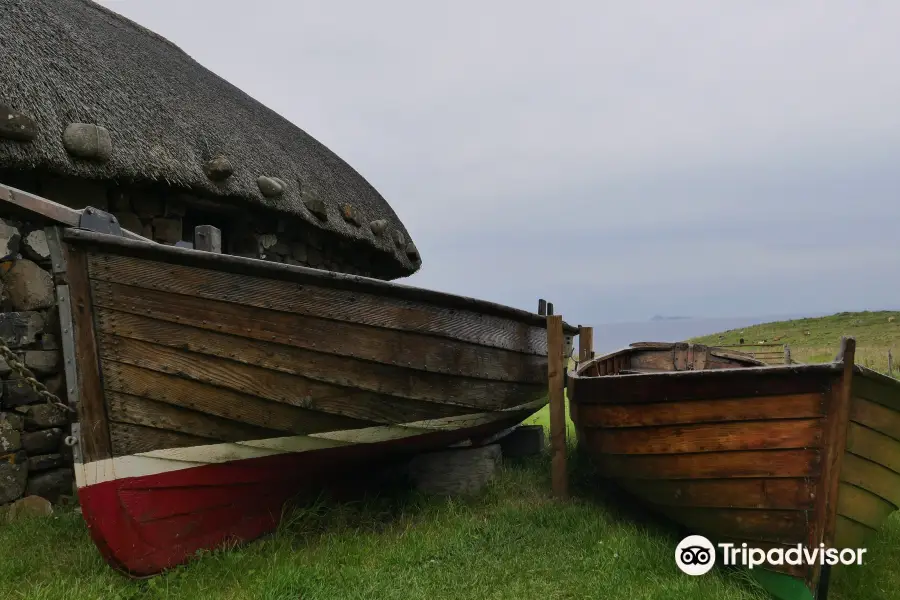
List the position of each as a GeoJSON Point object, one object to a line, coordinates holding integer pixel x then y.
{"type": "Point", "coordinates": [100, 221]}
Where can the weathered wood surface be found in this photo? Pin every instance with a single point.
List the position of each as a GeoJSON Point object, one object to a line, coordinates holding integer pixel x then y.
{"type": "Point", "coordinates": [220, 402]}
{"type": "Point", "coordinates": [95, 438]}
{"type": "Point", "coordinates": [130, 439]}
{"type": "Point", "coordinates": [322, 335]}
{"type": "Point", "coordinates": [457, 472]}
{"type": "Point", "coordinates": [777, 526]}
{"type": "Point", "coordinates": [555, 374]}
{"type": "Point", "coordinates": [134, 410]}
{"type": "Point", "coordinates": [758, 463]}
{"type": "Point", "coordinates": [276, 386]}
{"type": "Point", "coordinates": [312, 365]}
{"type": "Point", "coordinates": [836, 425]}
{"type": "Point", "coordinates": [758, 493]}
{"type": "Point", "coordinates": [871, 477]}
{"type": "Point", "coordinates": [190, 354]}
{"type": "Point", "coordinates": [877, 388]}
{"type": "Point", "coordinates": [705, 385]}
{"type": "Point", "coordinates": [777, 455]}
{"type": "Point", "coordinates": [182, 257]}
{"type": "Point", "coordinates": [320, 301]}
{"type": "Point", "coordinates": [706, 437]}
{"type": "Point", "coordinates": [794, 406]}
{"type": "Point", "coordinates": [863, 506]}
{"type": "Point", "coordinates": [877, 417]}
{"type": "Point", "coordinates": [585, 343]}
{"type": "Point", "coordinates": [876, 447]}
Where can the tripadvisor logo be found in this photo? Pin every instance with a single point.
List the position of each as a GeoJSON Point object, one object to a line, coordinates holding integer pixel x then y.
{"type": "Point", "coordinates": [696, 555]}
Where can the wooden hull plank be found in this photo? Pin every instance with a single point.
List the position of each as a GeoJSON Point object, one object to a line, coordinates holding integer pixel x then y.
{"type": "Point", "coordinates": [125, 408]}
{"type": "Point", "coordinates": [872, 477]}
{"type": "Point", "coordinates": [398, 348]}
{"type": "Point", "coordinates": [876, 416]}
{"type": "Point", "coordinates": [863, 506]}
{"type": "Point", "coordinates": [876, 447]}
{"type": "Point", "coordinates": [704, 385]}
{"type": "Point", "coordinates": [275, 386]}
{"type": "Point", "coordinates": [133, 439]}
{"type": "Point", "coordinates": [325, 368]}
{"type": "Point", "coordinates": [705, 437]}
{"type": "Point", "coordinates": [794, 494]}
{"type": "Point", "coordinates": [760, 463]}
{"type": "Point", "coordinates": [317, 301]}
{"type": "Point", "coordinates": [876, 390]}
{"type": "Point", "coordinates": [851, 534]}
{"type": "Point", "coordinates": [220, 402]}
{"type": "Point", "coordinates": [778, 526]}
{"type": "Point", "coordinates": [797, 406]}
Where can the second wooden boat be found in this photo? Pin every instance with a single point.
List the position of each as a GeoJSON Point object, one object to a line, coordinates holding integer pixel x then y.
{"type": "Point", "coordinates": [771, 456]}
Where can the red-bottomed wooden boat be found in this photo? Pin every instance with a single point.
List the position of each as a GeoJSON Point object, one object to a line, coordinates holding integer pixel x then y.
{"type": "Point", "coordinates": [770, 456]}
{"type": "Point", "coordinates": [211, 389]}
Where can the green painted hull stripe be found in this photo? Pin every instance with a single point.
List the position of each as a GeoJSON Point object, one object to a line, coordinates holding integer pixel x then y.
{"type": "Point", "coordinates": [781, 586]}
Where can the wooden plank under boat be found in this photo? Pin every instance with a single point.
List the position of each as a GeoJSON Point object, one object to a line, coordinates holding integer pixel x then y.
{"type": "Point", "coordinates": [212, 389]}
{"type": "Point", "coordinates": [771, 456]}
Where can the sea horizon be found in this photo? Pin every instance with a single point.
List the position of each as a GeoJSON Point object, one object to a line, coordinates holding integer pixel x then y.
{"type": "Point", "coordinates": [615, 335]}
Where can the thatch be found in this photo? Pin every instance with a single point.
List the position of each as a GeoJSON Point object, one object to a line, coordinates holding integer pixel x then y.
{"type": "Point", "coordinates": [73, 61]}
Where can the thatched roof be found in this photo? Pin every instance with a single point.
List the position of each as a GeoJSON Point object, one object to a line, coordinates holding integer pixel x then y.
{"type": "Point", "coordinates": [64, 62]}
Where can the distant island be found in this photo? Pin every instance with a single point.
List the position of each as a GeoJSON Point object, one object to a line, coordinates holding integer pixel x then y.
{"type": "Point", "coordinates": [662, 318]}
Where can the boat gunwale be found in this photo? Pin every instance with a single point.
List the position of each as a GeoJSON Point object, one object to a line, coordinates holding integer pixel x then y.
{"type": "Point", "coordinates": [660, 346]}
{"type": "Point", "coordinates": [299, 274]}
{"type": "Point", "coordinates": [823, 367]}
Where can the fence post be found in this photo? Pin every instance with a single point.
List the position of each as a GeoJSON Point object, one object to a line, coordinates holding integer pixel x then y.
{"type": "Point", "coordinates": [555, 375]}
{"type": "Point", "coordinates": [890, 363]}
{"type": "Point", "coordinates": [787, 354]}
{"type": "Point", "coordinates": [585, 343]}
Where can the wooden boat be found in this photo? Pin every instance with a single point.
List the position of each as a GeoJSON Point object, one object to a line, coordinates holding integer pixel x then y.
{"type": "Point", "coordinates": [770, 456]}
{"type": "Point", "coordinates": [211, 389]}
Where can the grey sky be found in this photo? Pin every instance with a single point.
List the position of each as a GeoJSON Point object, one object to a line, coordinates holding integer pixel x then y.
{"type": "Point", "coordinates": [622, 159]}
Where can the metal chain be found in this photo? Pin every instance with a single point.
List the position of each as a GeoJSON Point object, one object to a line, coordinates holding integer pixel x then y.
{"type": "Point", "coordinates": [19, 367]}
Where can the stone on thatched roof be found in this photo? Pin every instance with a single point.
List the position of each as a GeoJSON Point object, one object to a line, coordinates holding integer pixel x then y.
{"type": "Point", "coordinates": [88, 93]}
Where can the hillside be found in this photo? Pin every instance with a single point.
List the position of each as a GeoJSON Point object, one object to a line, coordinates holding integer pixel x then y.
{"type": "Point", "coordinates": [818, 339]}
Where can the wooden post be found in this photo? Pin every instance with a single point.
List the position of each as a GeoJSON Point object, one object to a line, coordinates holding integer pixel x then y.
{"type": "Point", "coordinates": [208, 239]}
{"type": "Point", "coordinates": [890, 363]}
{"type": "Point", "coordinates": [585, 343]}
{"type": "Point", "coordinates": [836, 423]}
{"type": "Point", "coordinates": [555, 373]}
{"type": "Point", "coordinates": [787, 354]}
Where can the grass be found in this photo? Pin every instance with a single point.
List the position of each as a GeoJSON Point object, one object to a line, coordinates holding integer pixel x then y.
{"type": "Point", "coordinates": [514, 541]}
{"type": "Point", "coordinates": [818, 340]}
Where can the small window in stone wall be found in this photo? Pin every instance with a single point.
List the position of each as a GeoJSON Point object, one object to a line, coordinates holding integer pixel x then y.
{"type": "Point", "coordinates": [194, 217]}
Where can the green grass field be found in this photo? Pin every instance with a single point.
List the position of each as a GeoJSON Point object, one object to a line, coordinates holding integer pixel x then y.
{"type": "Point", "coordinates": [818, 340]}
{"type": "Point", "coordinates": [514, 541]}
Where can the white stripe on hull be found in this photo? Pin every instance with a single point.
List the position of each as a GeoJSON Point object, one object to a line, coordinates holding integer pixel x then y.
{"type": "Point", "coordinates": [175, 459]}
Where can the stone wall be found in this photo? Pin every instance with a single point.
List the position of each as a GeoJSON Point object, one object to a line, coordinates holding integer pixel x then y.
{"type": "Point", "coordinates": [168, 216]}
{"type": "Point", "coordinates": [34, 459]}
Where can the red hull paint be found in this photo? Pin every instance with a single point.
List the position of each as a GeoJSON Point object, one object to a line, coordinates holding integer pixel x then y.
{"type": "Point", "coordinates": [144, 525]}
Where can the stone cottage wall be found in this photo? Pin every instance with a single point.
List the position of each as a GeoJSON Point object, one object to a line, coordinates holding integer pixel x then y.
{"type": "Point", "coordinates": [167, 216]}
{"type": "Point", "coordinates": [34, 459]}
